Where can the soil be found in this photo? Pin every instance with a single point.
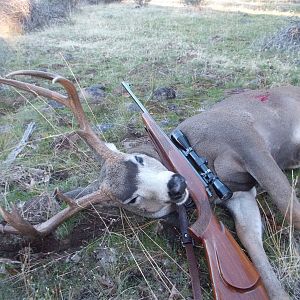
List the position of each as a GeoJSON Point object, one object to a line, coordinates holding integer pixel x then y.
{"type": "Point", "coordinates": [89, 227]}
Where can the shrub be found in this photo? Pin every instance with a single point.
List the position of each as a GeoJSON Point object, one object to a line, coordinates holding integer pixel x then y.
{"type": "Point", "coordinates": [26, 15]}
{"type": "Point", "coordinates": [46, 12]}
{"type": "Point", "coordinates": [192, 2]}
{"type": "Point", "coordinates": [287, 38]}
{"type": "Point", "coordinates": [18, 15]}
{"type": "Point", "coordinates": [142, 2]}
{"type": "Point", "coordinates": [101, 1]}
{"type": "Point", "coordinates": [11, 14]}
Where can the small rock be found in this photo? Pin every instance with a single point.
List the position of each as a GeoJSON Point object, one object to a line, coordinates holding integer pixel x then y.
{"type": "Point", "coordinates": [106, 256]}
{"type": "Point", "coordinates": [164, 93]}
{"type": "Point", "coordinates": [173, 107]}
{"type": "Point", "coordinates": [95, 93]}
{"type": "Point", "coordinates": [75, 258]}
{"type": "Point", "coordinates": [96, 88]}
{"type": "Point", "coordinates": [68, 57]}
{"type": "Point", "coordinates": [104, 127]}
{"type": "Point", "coordinates": [5, 129]}
{"type": "Point", "coordinates": [43, 69]}
{"type": "Point", "coordinates": [55, 104]}
{"type": "Point", "coordinates": [165, 122]}
{"type": "Point", "coordinates": [253, 83]}
{"type": "Point", "coordinates": [133, 107]}
{"type": "Point", "coordinates": [106, 281]}
{"type": "Point", "coordinates": [65, 141]}
{"type": "Point", "coordinates": [217, 38]}
{"type": "Point", "coordinates": [132, 130]}
{"type": "Point", "coordinates": [39, 208]}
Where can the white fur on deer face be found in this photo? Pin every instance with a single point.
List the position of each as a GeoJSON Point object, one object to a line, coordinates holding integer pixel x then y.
{"type": "Point", "coordinates": [296, 135]}
{"type": "Point", "coordinates": [142, 184]}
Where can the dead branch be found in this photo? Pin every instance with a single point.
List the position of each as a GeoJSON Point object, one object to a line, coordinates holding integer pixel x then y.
{"type": "Point", "coordinates": [21, 145]}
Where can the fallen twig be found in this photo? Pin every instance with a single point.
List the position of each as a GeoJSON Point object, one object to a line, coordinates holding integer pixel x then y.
{"type": "Point", "coordinates": [19, 148]}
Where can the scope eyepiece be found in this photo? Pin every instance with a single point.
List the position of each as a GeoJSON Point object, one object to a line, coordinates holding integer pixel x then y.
{"type": "Point", "coordinates": [222, 191]}
{"type": "Point", "coordinates": [180, 139]}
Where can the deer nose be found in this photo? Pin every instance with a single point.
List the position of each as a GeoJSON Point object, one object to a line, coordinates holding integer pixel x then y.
{"type": "Point", "coordinates": [177, 187]}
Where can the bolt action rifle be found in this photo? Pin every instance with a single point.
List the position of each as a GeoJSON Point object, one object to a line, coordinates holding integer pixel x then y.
{"type": "Point", "coordinates": [232, 274]}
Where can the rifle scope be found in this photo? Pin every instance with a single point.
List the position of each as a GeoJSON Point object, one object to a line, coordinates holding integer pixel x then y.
{"type": "Point", "coordinates": [200, 165]}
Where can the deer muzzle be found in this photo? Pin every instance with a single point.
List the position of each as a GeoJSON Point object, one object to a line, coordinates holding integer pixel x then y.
{"type": "Point", "coordinates": [177, 188]}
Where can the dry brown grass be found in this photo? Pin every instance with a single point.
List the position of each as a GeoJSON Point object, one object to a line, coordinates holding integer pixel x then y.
{"type": "Point", "coordinates": [17, 16]}
{"type": "Point", "coordinates": [287, 38]}
{"type": "Point", "coordinates": [11, 13]}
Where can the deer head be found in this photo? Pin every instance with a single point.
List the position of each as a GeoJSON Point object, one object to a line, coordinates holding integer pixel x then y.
{"type": "Point", "coordinates": [136, 182]}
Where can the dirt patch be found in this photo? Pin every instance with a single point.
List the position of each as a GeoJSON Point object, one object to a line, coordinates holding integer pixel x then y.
{"type": "Point", "coordinates": [66, 141]}
{"type": "Point", "coordinates": [8, 103]}
{"type": "Point", "coordinates": [88, 228]}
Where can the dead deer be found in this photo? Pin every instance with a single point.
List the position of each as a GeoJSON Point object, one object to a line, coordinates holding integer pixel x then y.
{"type": "Point", "coordinates": [248, 139]}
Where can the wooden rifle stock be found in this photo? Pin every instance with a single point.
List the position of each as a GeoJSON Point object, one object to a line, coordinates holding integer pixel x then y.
{"type": "Point", "coordinates": [232, 274]}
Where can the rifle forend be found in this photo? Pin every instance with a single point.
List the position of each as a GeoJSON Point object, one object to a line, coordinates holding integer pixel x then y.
{"type": "Point", "coordinates": [232, 274]}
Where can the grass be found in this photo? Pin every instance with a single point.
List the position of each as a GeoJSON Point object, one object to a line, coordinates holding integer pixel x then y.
{"type": "Point", "coordinates": [202, 54]}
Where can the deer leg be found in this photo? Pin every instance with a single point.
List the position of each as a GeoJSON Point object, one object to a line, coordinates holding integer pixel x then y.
{"type": "Point", "coordinates": [248, 224]}
{"type": "Point", "coordinates": [267, 173]}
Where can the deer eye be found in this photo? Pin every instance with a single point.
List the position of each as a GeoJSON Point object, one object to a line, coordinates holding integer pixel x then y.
{"type": "Point", "coordinates": [132, 201]}
{"type": "Point", "coordinates": [139, 160]}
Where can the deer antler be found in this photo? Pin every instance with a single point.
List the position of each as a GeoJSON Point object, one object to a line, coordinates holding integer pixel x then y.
{"type": "Point", "coordinates": [71, 101]}
{"type": "Point", "coordinates": [18, 225]}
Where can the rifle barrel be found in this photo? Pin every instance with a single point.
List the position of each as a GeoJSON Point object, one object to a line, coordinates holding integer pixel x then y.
{"type": "Point", "coordinates": [137, 101]}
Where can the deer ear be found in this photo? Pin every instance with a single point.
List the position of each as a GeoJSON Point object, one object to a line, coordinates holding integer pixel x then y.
{"type": "Point", "coordinates": [112, 147]}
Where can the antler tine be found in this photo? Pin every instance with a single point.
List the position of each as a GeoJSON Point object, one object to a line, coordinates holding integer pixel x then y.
{"type": "Point", "coordinates": [36, 90]}
{"type": "Point", "coordinates": [72, 102]}
{"type": "Point", "coordinates": [34, 73]}
{"type": "Point", "coordinates": [60, 196]}
{"type": "Point", "coordinates": [18, 225]}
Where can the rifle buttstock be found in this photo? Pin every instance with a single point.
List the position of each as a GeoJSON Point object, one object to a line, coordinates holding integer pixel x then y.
{"type": "Point", "coordinates": [232, 274]}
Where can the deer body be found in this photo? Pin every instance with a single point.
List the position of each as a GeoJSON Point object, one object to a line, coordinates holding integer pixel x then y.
{"type": "Point", "coordinates": [247, 139]}
{"type": "Point", "coordinates": [270, 117]}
